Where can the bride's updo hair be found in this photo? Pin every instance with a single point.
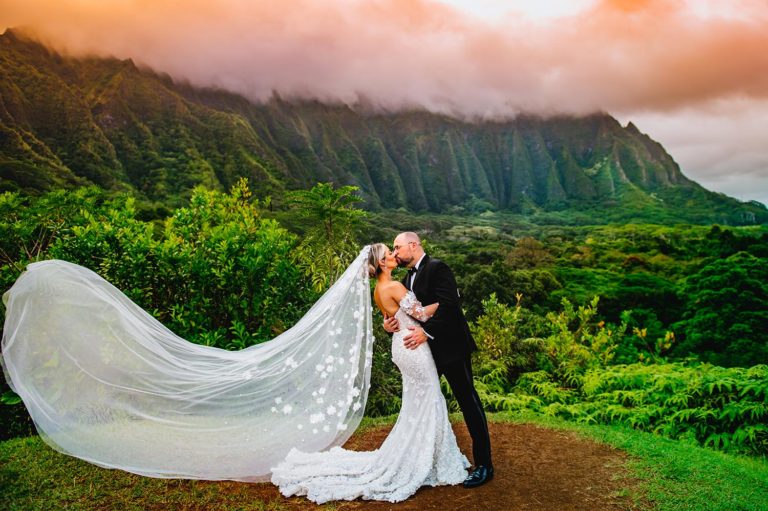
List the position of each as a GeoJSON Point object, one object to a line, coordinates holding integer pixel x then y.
{"type": "Point", "coordinates": [378, 252]}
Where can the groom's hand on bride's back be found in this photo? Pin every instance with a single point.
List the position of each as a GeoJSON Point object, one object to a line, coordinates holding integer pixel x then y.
{"type": "Point", "coordinates": [391, 324]}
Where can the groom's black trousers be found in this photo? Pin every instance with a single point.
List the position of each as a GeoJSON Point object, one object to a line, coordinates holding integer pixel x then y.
{"type": "Point", "coordinates": [459, 376]}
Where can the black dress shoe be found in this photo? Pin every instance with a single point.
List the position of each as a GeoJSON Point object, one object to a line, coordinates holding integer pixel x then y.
{"type": "Point", "coordinates": [481, 475]}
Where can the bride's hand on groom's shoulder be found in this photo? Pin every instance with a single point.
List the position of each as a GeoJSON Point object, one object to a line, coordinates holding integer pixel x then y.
{"type": "Point", "coordinates": [391, 324]}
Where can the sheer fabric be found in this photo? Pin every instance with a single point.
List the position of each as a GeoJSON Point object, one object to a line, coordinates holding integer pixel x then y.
{"type": "Point", "coordinates": [420, 450]}
{"type": "Point", "coordinates": [106, 382]}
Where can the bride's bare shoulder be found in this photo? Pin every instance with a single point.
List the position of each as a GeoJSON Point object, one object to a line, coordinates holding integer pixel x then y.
{"type": "Point", "coordinates": [391, 288]}
{"type": "Point", "coordinates": [390, 291]}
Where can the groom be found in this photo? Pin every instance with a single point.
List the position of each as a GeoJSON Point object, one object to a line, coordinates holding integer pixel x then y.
{"type": "Point", "coordinates": [449, 339]}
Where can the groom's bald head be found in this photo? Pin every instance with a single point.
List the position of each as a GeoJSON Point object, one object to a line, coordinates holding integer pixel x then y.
{"type": "Point", "coordinates": [407, 249]}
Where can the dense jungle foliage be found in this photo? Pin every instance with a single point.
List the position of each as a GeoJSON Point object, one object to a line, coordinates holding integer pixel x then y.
{"type": "Point", "coordinates": [658, 327]}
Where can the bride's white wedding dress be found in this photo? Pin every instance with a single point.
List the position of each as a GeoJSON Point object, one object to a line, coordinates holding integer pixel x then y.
{"type": "Point", "coordinates": [420, 450]}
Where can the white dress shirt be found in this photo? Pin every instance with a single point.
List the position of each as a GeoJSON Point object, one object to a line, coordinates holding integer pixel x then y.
{"type": "Point", "coordinates": [416, 268]}
{"type": "Point", "coordinates": [413, 279]}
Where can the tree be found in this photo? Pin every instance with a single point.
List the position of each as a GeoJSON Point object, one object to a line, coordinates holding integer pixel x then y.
{"type": "Point", "coordinates": [642, 291]}
{"type": "Point", "coordinates": [726, 312]}
{"type": "Point", "coordinates": [330, 223]}
{"type": "Point", "coordinates": [529, 253]}
{"type": "Point", "coordinates": [535, 286]}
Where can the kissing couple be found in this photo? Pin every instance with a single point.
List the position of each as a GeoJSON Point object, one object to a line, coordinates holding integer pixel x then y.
{"type": "Point", "coordinates": [430, 337]}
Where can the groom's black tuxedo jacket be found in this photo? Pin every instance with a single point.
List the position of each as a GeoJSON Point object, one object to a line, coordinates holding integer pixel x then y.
{"type": "Point", "coordinates": [452, 339]}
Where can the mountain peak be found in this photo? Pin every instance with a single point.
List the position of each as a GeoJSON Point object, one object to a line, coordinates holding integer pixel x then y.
{"type": "Point", "coordinates": [15, 35]}
{"type": "Point", "coordinates": [631, 128]}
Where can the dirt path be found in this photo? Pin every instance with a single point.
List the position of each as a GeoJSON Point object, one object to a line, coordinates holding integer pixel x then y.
{"type": "Point", "coordinates": [536, 469]}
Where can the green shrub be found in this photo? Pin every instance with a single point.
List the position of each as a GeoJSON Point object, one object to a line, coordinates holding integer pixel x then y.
{"type": "Point", "coordinates": [723, 408]}
{"type": "Point", "coordinates": [503, 352]}
{"type": "Point", "coordinates": [577, 342]}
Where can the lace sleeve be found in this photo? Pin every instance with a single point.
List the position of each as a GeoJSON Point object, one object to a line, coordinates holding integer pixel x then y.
{"type": "Point", "coordinates": [412, 306]}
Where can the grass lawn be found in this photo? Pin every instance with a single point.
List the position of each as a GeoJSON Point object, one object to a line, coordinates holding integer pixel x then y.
{"type": "Point", "coordinates": [673, 475]}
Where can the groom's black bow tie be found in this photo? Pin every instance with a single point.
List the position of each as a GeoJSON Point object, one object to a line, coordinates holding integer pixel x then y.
{"type": "Point", "coordinates": [411, 276]}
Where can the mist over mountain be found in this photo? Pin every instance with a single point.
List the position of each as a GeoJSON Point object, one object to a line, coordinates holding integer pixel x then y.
{"type": "Point", "coordinates": [67, 122]}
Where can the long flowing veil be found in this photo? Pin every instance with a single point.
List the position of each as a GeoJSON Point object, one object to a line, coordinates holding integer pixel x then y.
{"type": "Point", "coordinates": [106, 382]}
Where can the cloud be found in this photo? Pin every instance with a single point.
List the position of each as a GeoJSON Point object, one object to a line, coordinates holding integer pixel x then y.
{"type": "Point", "coordinates": [674, 67]}
{"type": "Point", "coordinates": [618, 55]}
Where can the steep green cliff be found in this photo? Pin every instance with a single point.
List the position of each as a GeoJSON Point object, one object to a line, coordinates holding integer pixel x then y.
{"type": "Point", "coordinates": [66, 122]}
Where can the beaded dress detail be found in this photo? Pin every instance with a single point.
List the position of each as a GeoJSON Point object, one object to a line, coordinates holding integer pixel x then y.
{"type": "Point", "coordinates": [420, 450]}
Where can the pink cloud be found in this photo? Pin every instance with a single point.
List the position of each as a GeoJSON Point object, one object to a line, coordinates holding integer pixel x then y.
{"type": "Point", "coordinates": [620, 55]}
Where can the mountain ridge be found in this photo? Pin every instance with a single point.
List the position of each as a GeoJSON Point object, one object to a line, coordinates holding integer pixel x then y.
{"type": "Point", "coordinates": [67, 122]}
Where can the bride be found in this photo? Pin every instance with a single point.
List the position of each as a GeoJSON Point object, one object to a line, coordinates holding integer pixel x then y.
{"type": "Point", "coordinates": [421, 448]}
{"type": "Point", "coordinates": [106, 382]}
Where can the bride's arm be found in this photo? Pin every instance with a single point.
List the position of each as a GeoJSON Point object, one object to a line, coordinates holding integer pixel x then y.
{"type": "Point", "coordinates": [430, 309]}
{"type": "Point", "coordinates": [415, 309]}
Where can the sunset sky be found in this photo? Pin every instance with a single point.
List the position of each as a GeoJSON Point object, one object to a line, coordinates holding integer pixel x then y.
{"type": "Point", "coordinates": [693, 75]}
